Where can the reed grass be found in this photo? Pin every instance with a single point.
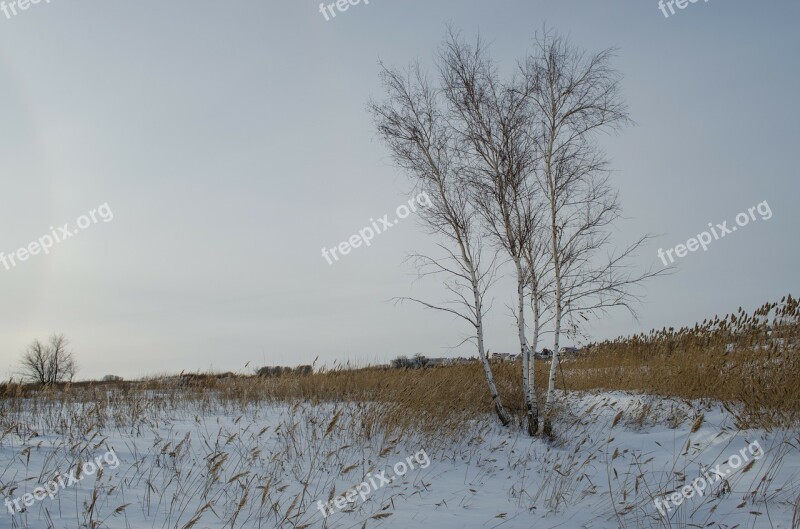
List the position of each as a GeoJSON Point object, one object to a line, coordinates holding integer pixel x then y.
{"type": "Point", "coordinates": [749, 362]}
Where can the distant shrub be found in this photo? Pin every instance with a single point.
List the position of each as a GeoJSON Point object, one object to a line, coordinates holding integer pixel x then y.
{"type": "Point", "coordinates": [269, 371]}
{"type": "Point", "coordinates": [49, 363]}
{"type": "Point", "coordinates": [273, 371]}
{"type": "Point", "coordinates": [276, 371]}
{"type": "Point", "coordinates": [403, 362]}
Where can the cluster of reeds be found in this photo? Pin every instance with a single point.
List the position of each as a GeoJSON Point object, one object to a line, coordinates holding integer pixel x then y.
{"type": "Point", "coordinates": [748, 361]}
{"type": "Point", "coordinates": [751, 362]}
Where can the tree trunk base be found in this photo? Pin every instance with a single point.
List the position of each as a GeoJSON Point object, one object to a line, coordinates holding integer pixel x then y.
{"type": "Point", "coordinates": [547, 428]}
{"type": "Point", "coordinates": [502, 414]}
{"type": "Point", "coordinates": [533, 425]}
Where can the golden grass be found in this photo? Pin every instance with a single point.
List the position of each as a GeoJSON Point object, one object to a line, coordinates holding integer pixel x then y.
{"type": "Point", "coordinates": [751, 362]}
{"type": "Point", "coordinates": [748, 362]}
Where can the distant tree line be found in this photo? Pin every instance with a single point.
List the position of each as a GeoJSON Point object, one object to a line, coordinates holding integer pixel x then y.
{"type": "Point", "coordinates": [277, 371]}
{"type": "Point", "coordinates": [404, 362]}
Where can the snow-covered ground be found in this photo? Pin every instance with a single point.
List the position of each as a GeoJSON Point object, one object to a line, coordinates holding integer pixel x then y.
{"type": "Point", "coordinates": [253, 466]}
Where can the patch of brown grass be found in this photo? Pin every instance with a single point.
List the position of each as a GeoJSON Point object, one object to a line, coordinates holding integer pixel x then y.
{"type": "Point", "coordinates": [749, 362]}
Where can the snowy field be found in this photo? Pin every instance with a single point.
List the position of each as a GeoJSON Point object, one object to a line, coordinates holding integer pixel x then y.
{"type": "Point", "coordinates": [218, 465]}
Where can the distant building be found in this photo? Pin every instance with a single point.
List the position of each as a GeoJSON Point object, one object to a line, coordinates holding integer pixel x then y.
{"type": "Point", "coordinates": [504, 357]}
{"type": "Point", "coordinates": [569, 351]}
{"type": "Point", "coordinates": [437, 362]}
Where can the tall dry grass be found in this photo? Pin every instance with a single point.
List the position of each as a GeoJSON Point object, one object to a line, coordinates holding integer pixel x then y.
{"type": "Point", "coordinates": [750, 362]}
{"type": "Point", "coordinates": [329, 429]}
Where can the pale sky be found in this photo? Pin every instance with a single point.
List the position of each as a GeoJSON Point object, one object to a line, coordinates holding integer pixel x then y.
{"type": "Point", "coordinates": [231, 142]}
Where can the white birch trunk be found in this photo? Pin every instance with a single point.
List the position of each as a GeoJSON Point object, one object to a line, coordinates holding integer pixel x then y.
{"type": "Point", "coordinates": [547, 425]}
{"type": "Point", "coordinates": [528, 384]}
{"type": "Point", "coordinates": [502, 414]}
{"type": "Point", "coordinates": [534, 341]}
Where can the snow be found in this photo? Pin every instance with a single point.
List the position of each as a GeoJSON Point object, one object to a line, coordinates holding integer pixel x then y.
{"type": "Point", "coordinates": [268, 466]}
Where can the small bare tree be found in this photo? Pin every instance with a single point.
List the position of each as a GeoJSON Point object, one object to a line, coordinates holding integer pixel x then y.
{"type": "Point", "coordinates": [49, 363]}
{"type": "Point", "coordinates": [413, 123]}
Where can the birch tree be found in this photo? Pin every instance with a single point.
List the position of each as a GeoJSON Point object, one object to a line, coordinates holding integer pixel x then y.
{"type": "Point", "coordinates": [413, 123]}
{"type": "Point", "coordinates": [492, 119]}
{"type": "Point", "coordinates": [576, 96]}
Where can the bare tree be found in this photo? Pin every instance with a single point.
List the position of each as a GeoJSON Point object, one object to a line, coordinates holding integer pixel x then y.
{"type": "Point", "coordinates": [492, 119]}
{"type": "Point", "coordinates": [576, 96]}
{"type": "Point", "coordinates": [413, 123]}
{"type": "Point", "coordinates": [49, 363]}
{"type": "Point", "coordinates": [36, 362]}
{"type": "Point", "coordinates": [521, 154]}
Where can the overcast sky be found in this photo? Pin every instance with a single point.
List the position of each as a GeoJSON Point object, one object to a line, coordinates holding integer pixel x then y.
{"type": "Point", "coordinates": [230, 141]}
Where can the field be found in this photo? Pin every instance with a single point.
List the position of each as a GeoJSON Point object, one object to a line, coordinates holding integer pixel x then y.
{"type": "Point", "coordinates": [642, 423]}
{"type": "Point", "coordinates": [393, 265]}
